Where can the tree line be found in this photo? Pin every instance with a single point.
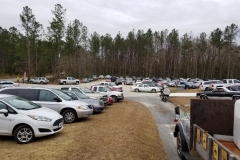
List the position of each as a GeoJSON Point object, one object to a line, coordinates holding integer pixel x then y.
{"type": "Point", "coordinates": [72, 50]}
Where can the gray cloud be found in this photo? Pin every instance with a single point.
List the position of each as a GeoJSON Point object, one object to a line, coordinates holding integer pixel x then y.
{"type": "Point", "coordinates": [112, 16]}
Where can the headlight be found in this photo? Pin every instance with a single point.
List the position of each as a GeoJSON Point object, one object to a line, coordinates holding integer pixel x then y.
{"type": "Point", "coordinates": [83, 107]}
{"type": "Point", "coordinates": [95, 104]}
{"type": "Point", "coordinates": [40, 118]}
{"type": "Point", "coordinates": [119, 94]}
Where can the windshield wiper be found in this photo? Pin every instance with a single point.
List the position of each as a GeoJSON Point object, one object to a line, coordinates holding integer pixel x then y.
{"type": "Point", "coordinates": [23, 108]}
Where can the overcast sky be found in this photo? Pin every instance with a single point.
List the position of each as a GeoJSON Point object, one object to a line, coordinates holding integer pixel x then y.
{"type": "Point", "coordinates": [113, 16]}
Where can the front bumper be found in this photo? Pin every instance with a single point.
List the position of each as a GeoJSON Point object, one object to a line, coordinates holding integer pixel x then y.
{"type": "Point", "coordinates": [84, 113]}
{"type": "Point", "coordinates": [120, 97]}
{"type": "Point", "coordinates": [48, 128]}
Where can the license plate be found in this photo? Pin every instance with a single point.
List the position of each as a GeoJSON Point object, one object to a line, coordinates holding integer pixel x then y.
{"type": "Point", "coordinates": [60, 125]}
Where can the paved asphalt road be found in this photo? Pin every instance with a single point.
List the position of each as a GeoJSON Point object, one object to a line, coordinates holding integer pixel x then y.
{"type": "Point", "coordinates": [162, 112]}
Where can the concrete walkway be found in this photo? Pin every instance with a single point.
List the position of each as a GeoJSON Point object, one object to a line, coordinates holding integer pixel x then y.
{"type": "Point", "coordinates": [183, 94]}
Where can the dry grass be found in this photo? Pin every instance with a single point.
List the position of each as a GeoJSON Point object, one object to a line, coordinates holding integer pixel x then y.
{"type": "Point", "coordinates": [125, 130]}
{"type": "Point", "coordinates": [183, 102]}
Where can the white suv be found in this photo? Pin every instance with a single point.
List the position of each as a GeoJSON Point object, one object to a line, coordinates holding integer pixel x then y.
{"type": "Point", "coordinates": [26, 120]}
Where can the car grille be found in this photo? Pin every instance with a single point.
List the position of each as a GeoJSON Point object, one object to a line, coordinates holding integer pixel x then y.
{"type": "Point", "coordinates": [56, 123]}
{"type": "Point", "coordinates": [56, 129]}
{"type": "Point", "coordinates": [90, 106]}
{"type": "Point", "coordinates": [101, 103]}
{"type": "Point", "coordinates": [105, 98]}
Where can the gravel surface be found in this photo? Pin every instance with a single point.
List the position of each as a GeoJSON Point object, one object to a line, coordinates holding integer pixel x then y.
{"type": "Point", "coordinates": [163, 113]}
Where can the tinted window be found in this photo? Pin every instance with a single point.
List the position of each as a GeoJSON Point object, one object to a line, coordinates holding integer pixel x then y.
{"type": "Point", "coordinates": [29, 94]}
{"type": "Point", "coordinates": [95, 89]}
{"type": "Point", "coordinates": [46, 96]}
{"type": "Point", "coordinates": [9, 91]}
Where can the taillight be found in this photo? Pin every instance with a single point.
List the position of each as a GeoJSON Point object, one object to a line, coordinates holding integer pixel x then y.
{"type": "Point", "coordinates": [212, 85]}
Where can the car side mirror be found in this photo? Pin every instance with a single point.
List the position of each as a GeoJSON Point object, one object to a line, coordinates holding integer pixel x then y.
{"type": "Point", "coordinates": [4, 111]}
{"type": "Point", "coordinates": [177, 114]}
{"type": "Point", "coordinates": [57, 99]}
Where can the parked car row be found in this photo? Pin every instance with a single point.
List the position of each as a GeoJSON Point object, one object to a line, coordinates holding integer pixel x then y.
{"type": "Point", "coordinates": [230, 92]}
{"type": "Point", "coordinates": [29, 112]}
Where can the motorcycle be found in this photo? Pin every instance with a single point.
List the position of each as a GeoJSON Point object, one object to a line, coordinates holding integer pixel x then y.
{"type": "Point", "coordinates": [164, 94]}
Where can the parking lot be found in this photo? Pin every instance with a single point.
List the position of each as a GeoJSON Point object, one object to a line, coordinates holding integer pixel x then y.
{"type": "Point", "coordinates": [125, 130]}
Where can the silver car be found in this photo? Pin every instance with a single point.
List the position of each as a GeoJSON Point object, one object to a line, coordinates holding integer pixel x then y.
{"type": "Point", "coordinates": [98, 106]}
{"type": "Point", "coordinates": [128, 81]}
{"type": "Point", "coordinates": [54, 99]}
{"type": "Point", "coordinates": [39, 80]}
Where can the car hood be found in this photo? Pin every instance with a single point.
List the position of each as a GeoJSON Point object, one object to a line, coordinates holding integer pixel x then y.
{"type": "Point", "coordinates": [89, 100]}
{"type": "Point", "coordinates": [43, 111]}
{"type": "Point", "coordinates": [94, 94]}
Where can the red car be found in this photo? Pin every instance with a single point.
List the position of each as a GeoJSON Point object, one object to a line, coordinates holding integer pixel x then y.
{"type": "Point", "coordinates": [110, 100]}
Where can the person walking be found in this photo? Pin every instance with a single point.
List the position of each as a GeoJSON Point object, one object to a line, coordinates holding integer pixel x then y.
{"type": "Point", "coordinates": [22, 80]}
{"type": "Point", "coordinates": [17, 79]}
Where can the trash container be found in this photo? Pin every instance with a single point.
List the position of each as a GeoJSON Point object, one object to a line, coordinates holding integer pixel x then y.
{"type": "Point", "coordinates": [180, 87]}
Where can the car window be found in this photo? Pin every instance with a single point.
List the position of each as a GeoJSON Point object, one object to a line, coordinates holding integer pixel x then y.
{"type": "Point", "coordinates": [86, 90]}
{"type": "Point", "coordinates": [145, 85]}
{"type": "Point", "coordinates": [9, 91]}
{"type": "Point", "coordinates": [46, 96]}
{"type": "Point", "coordinates": [72, 95]}
{"type": "Point", "coordinates": [29, 94]}
{"type": "Point", "coordinates": [140, 85]}
{"type": "Point", "coordinates": [230, 81]}
{"type": "Point", "coordinates": [236, 81]}
{"type": "Point", "coordinates": [3, 106]}
{"type": "Point", "coordinates": [94, 89]}
{"type": "Point", "coordinates": [80, 95]}
{"type": "Point", "coordinates": [224, 81]}
{"type": "Point", "coordinates": [100, 89]}
{"type": "Point", "coordinates": [20, 103]}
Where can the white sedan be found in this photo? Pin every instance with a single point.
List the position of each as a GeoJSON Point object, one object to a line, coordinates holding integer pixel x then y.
{"type": "Point", "coordinates": [144, 88]}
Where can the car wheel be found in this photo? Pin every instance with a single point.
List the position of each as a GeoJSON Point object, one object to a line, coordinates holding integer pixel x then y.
{"type": "Point", "coordinates": [41, 82]}
{"type": "Point", "coordinates": [153, 90]}
{"type": "Point", "coordinates": [136, 90]}
{"type": "Point", "coordinates": [203, 97]}
{"type": "Point", "coordinates": [31, 82]}
{"type": "Point", "coordinates": [181, 145]}
{"type": "Point", "coordinates": [77, 82]}
{"type": "Point", "coordinates": [69, 116]}
{"type": "Point", "coordinates": [64, 83]}
{"type": "Point", "coordinates": [206, 89]}
{"type": "Point", "coordinates": [23, 134]}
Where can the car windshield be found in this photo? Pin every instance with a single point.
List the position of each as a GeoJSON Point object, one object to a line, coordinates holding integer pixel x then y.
{"type": "Point", "coordinates": [80, 95]}
{"type": "Point", "coordinates": [86, 90]}
{"type": "Point", "coordinates": [62, 94]}
{"type": "Point", "coordinates": [20, 103]}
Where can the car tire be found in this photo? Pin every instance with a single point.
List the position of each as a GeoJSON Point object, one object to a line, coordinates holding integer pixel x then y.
{"type": "Point", "coordinates": [203, 97]}
{"type": "Point", "coordinates": [24, 134]}
{"type": "Point", "coordinates": [136, 90]}
{"type": "Point", "coordinates": [69, 116]}
{"type": "Point", "coordinates": [64, 83]}
{"type": "Point", "coordinates": [181, 145]}
{"type": "Point", "coordinates": [153, 90]}
{"type": "Point", "coordinates": [41, 82]}
{"type": "Point", "coordinates": [206, 89]}
{"type": "Point", "coordinates": [31, 82]}
{"type": "Point", "coordinates": [77, 83]}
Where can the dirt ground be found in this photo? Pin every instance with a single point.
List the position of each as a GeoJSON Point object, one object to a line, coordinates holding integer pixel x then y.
{"type": "Point", "coordinates": [125, 130]}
